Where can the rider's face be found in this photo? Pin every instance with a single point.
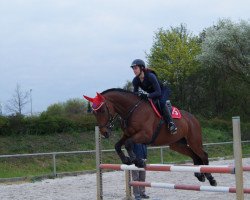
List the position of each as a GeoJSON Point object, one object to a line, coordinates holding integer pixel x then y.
{"type": "Point", "coordinates": [136, 70]}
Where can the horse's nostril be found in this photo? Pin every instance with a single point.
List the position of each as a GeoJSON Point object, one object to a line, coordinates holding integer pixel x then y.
{"type": "Point", "coordinates": [105, 135]}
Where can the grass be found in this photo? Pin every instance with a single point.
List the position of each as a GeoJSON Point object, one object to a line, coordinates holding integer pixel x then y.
{"type": "Point", "coordinates": [42, 165]}
{"type": "Point", "coordinates": [213, 135]}
{"type": "Point", "coordinates": [23, 168]}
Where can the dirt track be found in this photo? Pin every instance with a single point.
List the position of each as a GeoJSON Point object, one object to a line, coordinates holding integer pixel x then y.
{"type": "Point", "coordinates": [83, 187]}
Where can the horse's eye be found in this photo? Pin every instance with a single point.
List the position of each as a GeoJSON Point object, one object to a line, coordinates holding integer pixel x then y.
{"type": "Point", "coordinates": [101, 110]}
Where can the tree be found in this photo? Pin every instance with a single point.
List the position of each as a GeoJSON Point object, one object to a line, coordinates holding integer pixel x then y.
{"type": "Point", "coordinates": [172, 56]}
{"type": "Point", "coordinates": [70, 107]}
{"type": "Point", "coordinates": [128, 86]}
{"type": "Point", "coordinates": [89, 108]}
{"type": "Point", "coordinates": [56, 109]}
{"type": "Point", "coordinates": [1, 111]}
{"type": "Point", "coordinates": [226, 46]}
{"type": "Point", "coordinates": [74, 106]}
{"type": "Point", "coordinates": [18, 101]}
{"type": "Point", "coordinates": [225, 59]}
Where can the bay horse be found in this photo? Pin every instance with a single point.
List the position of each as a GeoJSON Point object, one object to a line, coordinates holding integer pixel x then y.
{"type": "Point", "coordinates": [140, 124]}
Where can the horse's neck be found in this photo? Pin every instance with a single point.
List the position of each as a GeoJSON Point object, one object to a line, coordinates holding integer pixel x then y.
{"type": "Point", "coordinates": [121, 104]}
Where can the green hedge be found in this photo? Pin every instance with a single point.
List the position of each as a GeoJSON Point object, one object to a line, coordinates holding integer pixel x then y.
{"type": "Point", "coordinates": [49, 124]}
{"type": "Point", "coordinates": [46, 124]}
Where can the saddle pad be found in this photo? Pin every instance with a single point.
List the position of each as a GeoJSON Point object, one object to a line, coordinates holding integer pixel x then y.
{"type": "Point", "coordinates": [176, 114]}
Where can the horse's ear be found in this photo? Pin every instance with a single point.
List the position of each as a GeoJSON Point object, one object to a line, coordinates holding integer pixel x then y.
{"type": "Point", "coordinates": [89, 98]}
{"type": "Point", "coordinates": [100, 97]}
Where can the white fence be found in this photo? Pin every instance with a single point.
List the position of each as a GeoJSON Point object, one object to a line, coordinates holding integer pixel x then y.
{"type": "Point", "coordinates": [54, 154]}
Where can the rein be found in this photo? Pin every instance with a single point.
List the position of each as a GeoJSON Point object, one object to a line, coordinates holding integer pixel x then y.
{"type": "Point", "coordinates": [112, 119]}
{"type": "Point", "coordinates": [124, 121]}
{"type": "Point", "coordinates": [131, 111]}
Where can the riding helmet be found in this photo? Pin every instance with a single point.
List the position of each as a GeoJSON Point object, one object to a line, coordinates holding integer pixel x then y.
{"type": "Point", "coordinates": [138, 62]}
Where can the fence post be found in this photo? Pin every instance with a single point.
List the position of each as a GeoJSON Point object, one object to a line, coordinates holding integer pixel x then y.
{"type": "Point", "coordinates": [54, 164]}
{"type": "Point", "coordinates": [162, 161]}
{"type": "Point", "coordinates": [238, 158]}
{"type": "Point", "coordinates": [98, 162]}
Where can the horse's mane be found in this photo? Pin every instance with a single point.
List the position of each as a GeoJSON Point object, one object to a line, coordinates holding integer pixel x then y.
{"type": "Point", "coordinates": [117, 90]}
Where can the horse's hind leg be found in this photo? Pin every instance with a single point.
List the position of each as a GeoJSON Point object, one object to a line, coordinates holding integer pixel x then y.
{"type": "Point", "coordinates": [181, 147]}
{"type": "Point", "coordinates": [205, 161]}
{"type": "Point", "coordinates": [198, 150]}
{"type": "Point", "coordinates": [194, 140]}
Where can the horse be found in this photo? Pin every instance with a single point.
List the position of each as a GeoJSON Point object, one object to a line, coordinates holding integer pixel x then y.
{"type": "Point", "coordinates": [140, 124]}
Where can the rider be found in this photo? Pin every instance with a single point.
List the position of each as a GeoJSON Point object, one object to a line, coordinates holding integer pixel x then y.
{"type": "Point", "coordinates": [147, 80]}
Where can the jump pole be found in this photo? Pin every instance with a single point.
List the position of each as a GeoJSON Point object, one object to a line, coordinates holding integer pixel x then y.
{"type": "Point", "coordinates": [238, 158]}
{"type": "Point", "coordinates": [188, 187]}
{"type": "Point", "coordinates": [176, 168]}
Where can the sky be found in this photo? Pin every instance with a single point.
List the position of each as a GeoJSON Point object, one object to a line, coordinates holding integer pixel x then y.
{"type": "Point", "coordinates": [62, 49]}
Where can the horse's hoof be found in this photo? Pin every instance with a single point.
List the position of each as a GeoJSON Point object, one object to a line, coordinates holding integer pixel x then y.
{"type": "Point", "coordinates": [127, 161]}
{"type": "Point", "coordinates": [200, 177]}
{"type": "Point", "coordinates": [213, 182]}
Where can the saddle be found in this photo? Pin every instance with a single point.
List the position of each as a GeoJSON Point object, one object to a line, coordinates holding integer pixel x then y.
{"type": "Point", "coordinates": [176, 114]}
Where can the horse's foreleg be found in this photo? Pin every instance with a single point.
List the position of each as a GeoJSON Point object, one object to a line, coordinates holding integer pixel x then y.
{"type": "Point", "coordinates": [118, 148]}
{"type": "Point", "coordinates": [129, 145]}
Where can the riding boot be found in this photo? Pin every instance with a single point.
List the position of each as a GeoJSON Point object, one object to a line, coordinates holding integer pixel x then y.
{"type": "Point", "coordinates": [169, 120]}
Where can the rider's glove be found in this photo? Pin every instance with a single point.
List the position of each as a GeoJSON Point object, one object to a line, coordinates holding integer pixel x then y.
{"type": "Point", "coordinates": [143, 96]}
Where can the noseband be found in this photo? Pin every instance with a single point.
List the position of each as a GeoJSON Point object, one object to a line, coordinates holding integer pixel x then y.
{"type": "Point", "coordinates": [111, 119]}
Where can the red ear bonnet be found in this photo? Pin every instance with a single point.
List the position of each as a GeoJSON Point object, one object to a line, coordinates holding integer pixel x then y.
{"type": "Point", "coordinates": [88, 98]}
{"type": "Point", "coordinates": [97, 101]}
{"type": "Point", "coordinates": [100, 97]}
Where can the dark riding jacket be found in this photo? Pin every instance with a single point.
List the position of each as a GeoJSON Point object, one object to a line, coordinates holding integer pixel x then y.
{"type": "Point", "coordinates": [154, 88]}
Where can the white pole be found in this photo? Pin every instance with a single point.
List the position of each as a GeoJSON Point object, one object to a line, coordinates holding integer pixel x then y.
{"type": "Point", "coordinates": [238, 158]}
{"type": "Point", "coordinates": [98, 162]}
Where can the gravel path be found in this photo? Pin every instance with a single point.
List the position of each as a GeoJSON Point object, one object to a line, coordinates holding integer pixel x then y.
{"type": "Point", "coordinates": [83, 187]}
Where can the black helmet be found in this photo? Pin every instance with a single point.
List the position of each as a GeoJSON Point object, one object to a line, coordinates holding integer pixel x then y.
{"type": "Point", "coordinates": [138, 62]}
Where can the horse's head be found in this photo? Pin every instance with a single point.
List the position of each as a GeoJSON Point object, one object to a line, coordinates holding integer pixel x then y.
{"type": "Point", "coordinates": [104, 113]}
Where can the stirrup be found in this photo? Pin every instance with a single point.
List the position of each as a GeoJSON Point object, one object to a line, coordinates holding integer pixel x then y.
{"type": "Point", "coordinates": [172, 128]}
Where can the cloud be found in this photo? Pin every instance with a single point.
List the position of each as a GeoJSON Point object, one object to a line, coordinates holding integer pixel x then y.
{"type": "Point", "coordinates": [62, 48]}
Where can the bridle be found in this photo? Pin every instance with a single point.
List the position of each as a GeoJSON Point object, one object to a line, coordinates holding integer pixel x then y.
{"type": "Point", "coordinates": [112, 119]}
{"type": "Point", "coordinates": [110, 123]}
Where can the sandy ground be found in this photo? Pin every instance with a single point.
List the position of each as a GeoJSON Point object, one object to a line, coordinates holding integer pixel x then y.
{"type": "Point", "coordinates": [83, 187]}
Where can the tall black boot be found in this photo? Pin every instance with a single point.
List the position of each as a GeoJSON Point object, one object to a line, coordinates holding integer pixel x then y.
{"type": "Point", "coordinates": [169, 120]}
